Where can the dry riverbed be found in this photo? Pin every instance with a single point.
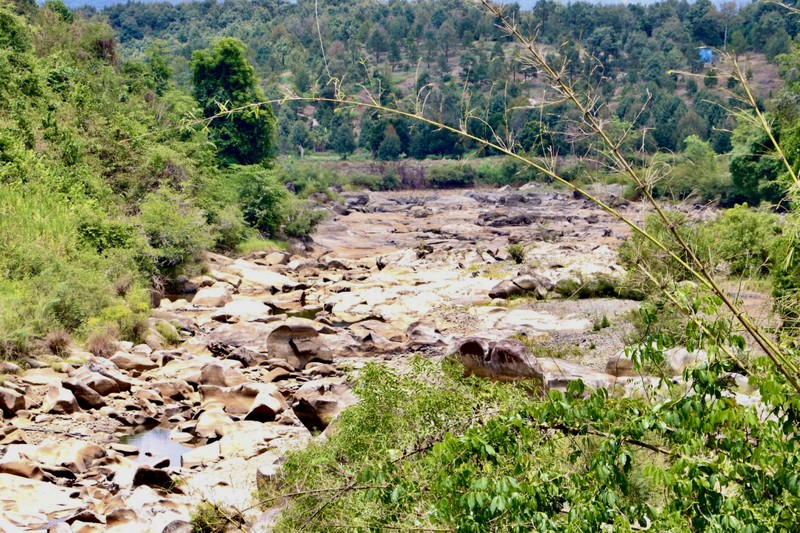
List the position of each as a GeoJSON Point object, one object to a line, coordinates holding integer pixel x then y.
{"type": "Point", "coordinates": [270, 341]}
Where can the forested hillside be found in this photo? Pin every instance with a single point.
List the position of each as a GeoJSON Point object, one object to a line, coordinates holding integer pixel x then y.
{"type": "Point", "coordinates": [438, 50]}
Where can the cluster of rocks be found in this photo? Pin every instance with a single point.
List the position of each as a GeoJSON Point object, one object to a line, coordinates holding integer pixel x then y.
{"type": "Point", "coordinates": [267, 348]}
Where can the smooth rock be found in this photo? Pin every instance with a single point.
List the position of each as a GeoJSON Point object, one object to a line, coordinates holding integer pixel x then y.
{"type": "Point", "coordinates": [129, 361]}
{"type": "Point", "coordinates": [318, 403]}
{"type": "Point", "coordinates": [676, 360]}
{"type": "Point", "coordinates": [60, 401]}
{"type": "Point", "coordinates": [266, 407]}
{"type": "Point", "coordinates": [212, 423]}
{"type": "Point", "coordinates": [178, 389]}
{"type": "Point", "coordinates": [215, 296]}
{"type": "Point", "coordinates": [506, 360]}
{"type": "Point", "coordinates": [221, 375]}
{"type": "Point", "coordinates": [298, 345]}
{"type": "Point", "coordinates": [557, 374]}
{"type": "Point", "coordinates": [103, 376]}
{"type": "Point", "coordinates": [87, 397]}
{"type": "Point", "coordinates": [11, 402]}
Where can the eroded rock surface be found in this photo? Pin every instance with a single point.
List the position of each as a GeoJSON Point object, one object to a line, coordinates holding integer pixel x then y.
{"type": "Point", "coordinates": [269, 342]}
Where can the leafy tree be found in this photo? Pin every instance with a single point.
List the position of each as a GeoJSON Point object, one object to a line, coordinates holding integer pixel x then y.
{"type": "Point", "coordinates": [344, 142]}
{"type": "Point", "coordinates": [302, 79]}
{"type": "Point", "coordinates": [378, 42]}
{"type": "Point", "coordinates": [224, 80]}
{"type": "Point", "coordinates": [753, 167]}
{"type": "Point", "coordinates": [175, 229]}
{"type": "Point", "coordinates": [299, 135]}
{"type": "Point", "coordinates": [390, 147]}
{"type": "Point", "coordinates": [738, 43]}
{"type": "Point", "coordinates": [262, 198]}
{"type": "Point", "coordinates": [535, 138]}
{"type": "Point", "coordinates": [159, 66]}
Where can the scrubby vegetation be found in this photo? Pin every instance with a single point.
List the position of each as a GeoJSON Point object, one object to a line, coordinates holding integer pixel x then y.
{"type": "Point", "coordinates": [106, 179]}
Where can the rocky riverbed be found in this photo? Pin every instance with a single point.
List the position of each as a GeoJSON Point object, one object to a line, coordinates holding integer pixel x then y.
{"type": "Point", "coordinates": [134, 441]}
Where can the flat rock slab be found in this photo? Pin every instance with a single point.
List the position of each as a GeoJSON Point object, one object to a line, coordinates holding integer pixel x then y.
{"type": "Point", "coordinates": [26, 504]}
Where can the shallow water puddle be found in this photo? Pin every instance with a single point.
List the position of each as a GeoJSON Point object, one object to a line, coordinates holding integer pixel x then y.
{"type": "Point", "coordinates": [154, 445]}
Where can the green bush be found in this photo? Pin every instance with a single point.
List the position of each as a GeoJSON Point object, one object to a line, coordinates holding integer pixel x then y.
{"type": "Point", "coordinates": [451, 176]}
{"type": "Point", "coordinates": [262, 198]}
{"type": "Point", "coordinates": [745, 239]}
{"type": "Point", "coordinates": [517, 252]}
{"type": "Point", "coordinates": [228, 228]}
{"type": "Point", "coordinates": [786, 283]}
{"type": "Point", "coordinates": [693, 174]}
{"type": "Point", "coordinates": [176, 230]}
{"type": "Point", "coordinates": [509, 172]}
{"type": "Point", "coordinates": [397, 413]}
{"type": "Point", "coordinates": [600, 286]}
{"type": "Point", "coordinates": [639, 251]}
{"type": "Point", "coordinates": [302, 218]}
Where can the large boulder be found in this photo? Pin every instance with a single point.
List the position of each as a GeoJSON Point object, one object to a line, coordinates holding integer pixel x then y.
{"type": "Point", "coordinates": [318, 403]}
{"type": "Point", "coordinates": [87, 397]}
{"type": "Point", "coordinates": [60, 401]}
{"type": "Point", "coordinates": [103, 376]}
{"type": "Point", "coordinates": [298, 345]}
{"type": "Point", "coordinates": [676, 360]}
{"type": "Point", "coordinates": [152, 477]}
{"type": "Point", "coordinates": [243, 399]}
{"type": "Point", "coordinates": [74, 454]}
{"type": "Point", "coordinates": [533, 285]}
{"type": "Point", "coordinates": [176, 389]}
{"type": "Point", "coordinates": [222, 374]}
{"type": "Point", "coordinates": [557, 374]}
{"type": "Point", "coordinates": [11, 402]}
{"type": "Point", "coordinates": [245, 356]}
{"type": "Point", "coordinates": [133, 362]}
{"type": "Point", "coordinates": [506, 360]}
{"type": "Point", "coordinates": [214, 296]}
{"type": "Point", "coordinates": [266, 406]}
{"type": "Point", "coordinates": [620, 364]}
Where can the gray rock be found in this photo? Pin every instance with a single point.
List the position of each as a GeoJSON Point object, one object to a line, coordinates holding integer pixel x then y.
{"type": "Point", "coordinates": [11, 402]}
{"type": "Point", "coordinates": [526, 284]}
{"type": "Point", "coordinates": [178, 526]}
{"type": "Point", "coordinates": [128, 361]}
{"type": "Point", "coordinates": [298, 345]}
{"type": "Point", "coordinates": [265, 407]}
{"type": "Point", "coordinates": [60, 401]}
{"type": "Point", "coordinates": [87, 397]}
{"type": "Point", "coordinates": [221, 375]}
{"type": "Point", "coordinates": [215, 296]}
{"type": "Point", "coordinates": [506, 360]}
{"type": "Point", "coordinates": [318, 403]}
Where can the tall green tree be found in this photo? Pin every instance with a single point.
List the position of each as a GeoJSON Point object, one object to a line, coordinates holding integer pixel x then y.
{"type": "Point", "coordinates": [344, 140]}
{"type": "Point", "coordinates": [224, 80]}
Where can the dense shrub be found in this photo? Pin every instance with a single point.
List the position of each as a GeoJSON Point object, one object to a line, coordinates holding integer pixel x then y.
{"type": "Point", "coordinates": [745, 239]}
{"type": "Point", "coordinates": [451, 176]}
{"type": "Point", "coordinates": [640, 251]}
{"type": "Point", "coordinates": [509, 172]}
{"type": "Point", "coordinates": [600, 286]}
{"type": "Point", "coordinates": [261, 197]}
{"type": "Point", "coordinates": [692, 174]}
{"type": "Point", "coordinates": [301, 218]}
{"type": "Point", "coordinates": [175, 229]}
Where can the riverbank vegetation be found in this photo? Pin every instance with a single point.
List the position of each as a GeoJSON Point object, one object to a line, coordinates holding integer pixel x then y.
{"type": "Point", "coordinates": [110, 182]}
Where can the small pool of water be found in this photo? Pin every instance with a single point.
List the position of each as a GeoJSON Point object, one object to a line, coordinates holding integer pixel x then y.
{"type": "Point", "coordinates": [174, 297]}
{"type": "Point", "coordinates": [154, 445]}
